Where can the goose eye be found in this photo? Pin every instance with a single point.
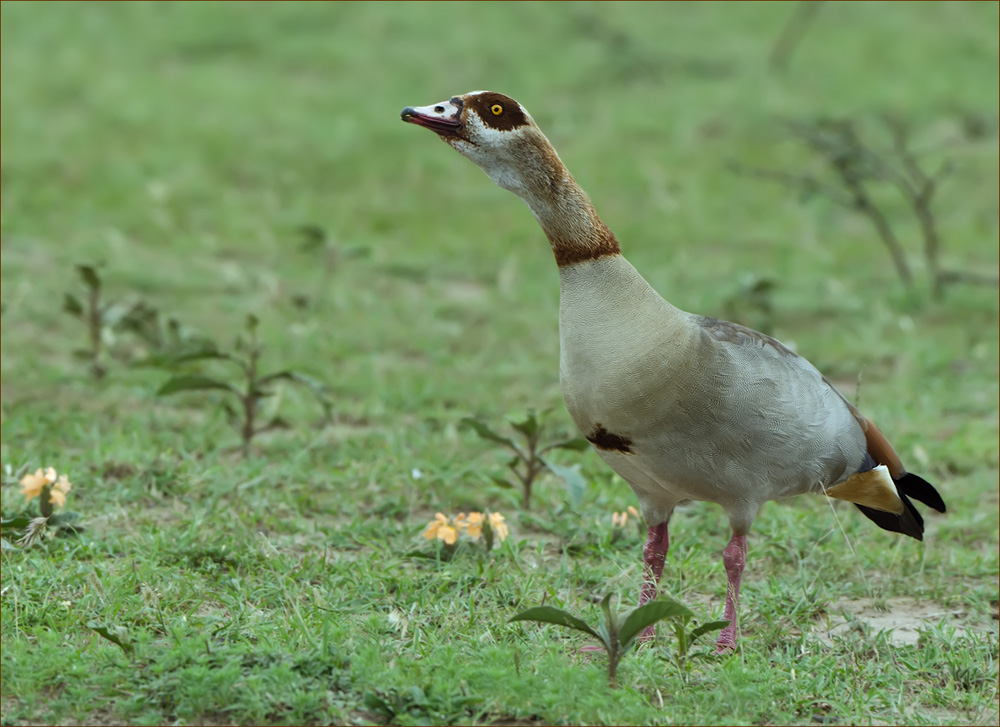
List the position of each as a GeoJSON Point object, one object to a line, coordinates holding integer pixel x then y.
{"type": "Point", "coordinates": [496, 109]}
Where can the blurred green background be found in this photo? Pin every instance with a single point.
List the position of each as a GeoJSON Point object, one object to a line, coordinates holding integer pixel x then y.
{"type": "Point", "coordinates": [221, 159]}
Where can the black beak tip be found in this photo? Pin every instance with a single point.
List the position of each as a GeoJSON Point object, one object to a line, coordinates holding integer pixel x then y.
{"type": "Point", "coordinates": [406, 113]}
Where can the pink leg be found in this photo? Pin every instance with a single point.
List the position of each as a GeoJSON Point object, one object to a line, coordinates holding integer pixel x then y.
{"type": "Point", "coordinates": [654, 553]}
{"type": "Point", "coordinates": [734, 557]}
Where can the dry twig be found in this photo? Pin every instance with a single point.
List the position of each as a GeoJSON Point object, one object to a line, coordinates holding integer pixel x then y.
{"type": "Point", "coordinates": [856, 167]}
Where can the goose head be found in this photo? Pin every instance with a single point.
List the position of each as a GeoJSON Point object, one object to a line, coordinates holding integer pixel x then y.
{"type": "Point", "coordinates": [499, 136]}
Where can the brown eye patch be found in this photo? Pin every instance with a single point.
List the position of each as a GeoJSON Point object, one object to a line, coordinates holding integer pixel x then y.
{"type": "Point", "coordinates": [498, 111]}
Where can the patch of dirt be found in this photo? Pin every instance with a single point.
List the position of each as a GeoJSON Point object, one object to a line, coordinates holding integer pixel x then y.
{"type": "Point", "coordinates": [117, 470]}
{"type": "Point", "coordinates": [902, 618]}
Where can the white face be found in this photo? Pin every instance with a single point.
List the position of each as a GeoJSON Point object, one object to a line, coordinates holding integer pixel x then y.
{"type": "Point", "coordinates": [485, 127]}
{"type": "Point", "coordinates": [440, 116]}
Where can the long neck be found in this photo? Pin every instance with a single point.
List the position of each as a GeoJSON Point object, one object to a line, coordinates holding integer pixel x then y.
{"type": "Point", "coordinates": [561, 207]}
{"type": "Point", "coordinates": [571, 223]}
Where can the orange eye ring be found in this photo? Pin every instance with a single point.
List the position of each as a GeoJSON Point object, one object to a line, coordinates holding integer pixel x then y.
{"type": "Point", "coordinates": [496, 109]}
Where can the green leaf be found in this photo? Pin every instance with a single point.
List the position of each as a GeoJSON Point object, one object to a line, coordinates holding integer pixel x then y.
{"type": "Point", "coordinates": [90, 277]}
{"type": "Point", "coordinates": [501, 482]}
{"type": "Point", "coordinates": [64, 518]}
{"type": "Point", "coordinates": [17, 523]}
{"type": "Point", "coordinates": [143, 320]}
{"type": "Point", "coordinates": [194, 382]}
{"type": "Point", "coordinates": [576, 486]}
{"type": "Point", "coordinates": [606, 637]}
{"type": "Point", "coordinates": [112, 315]}
{"type": "Point", "coordinates": [610, 619]}
{"type": "Point", "coordinates": [639, 618]}
{"type": "Point", "coordinates": [200, 354]}
{"type": "Point", "coordinates": [279, 376]}
{"type": "Point", "coordinates": [72, 305]}
{"type": "Point", "coordinates": [551, 615]}
{"type": "Point", "coordinates": [529, 427]}
{"type": "Point", "coordinates": [232, 416]}
{"type": "Point", "coordinates": [174, 331]}
{"type": "Point", "coordinates": [485, 432]}
{"type": "Point", "coordinates": [277, 422]}
{"type": "Point", "coordinates": [375, 703]}
{"type": "Point", "coordinates": [259, 393]}
{"type": "Point", "coordinates": [316, 386]}
{"type": "Point", "coordinates": [115, 634]}
{"type": "Point", "coordinates": [579, 444]}
{"type": "Point", "coordinates": [705, 628]}
{"type": "Point", "coordinates": [313, 237]}
{"type": "Point", "coordinates": [180, 352]}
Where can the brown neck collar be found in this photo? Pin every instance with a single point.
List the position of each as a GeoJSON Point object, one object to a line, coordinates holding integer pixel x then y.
{"type": "Point", "coordinates": [597, 242]}
{"type": "Point", "coordinates": [568, 217]}
{"type": "Point", "coordinates": [561, 207]}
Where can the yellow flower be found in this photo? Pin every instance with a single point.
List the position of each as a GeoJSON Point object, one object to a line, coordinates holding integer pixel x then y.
{"type": "Point", "coordinates": [498, 525]}
{"type": "Point", "coordinates": [620, 519]}
{"type": "Point", "coordinates": [440, 529]}
{"type": "Point", "coordinates": [448, 534]}
{"type": "Point", "coordinates": [472, 524]}
{"type": "Point", "coordinates": [31, 485]}
{"type": "Point", "coordinates": [475, 524]}
{"type": "Point", "coordinates": [59, 490]}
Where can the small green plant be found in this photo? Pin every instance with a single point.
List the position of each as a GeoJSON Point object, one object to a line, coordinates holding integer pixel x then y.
{"type": "Point", "coordinates": [248, 392]}
{"type": "Point", "coordinates": [432, 703]}
{"type": "Point", "coordinates": [679, 619]}
{"type": "Point", "coordinates": [528, 461]}
{"type": "Point", "coordinates": [51, 490]}
{"type": "Point", "coordinates": [161, 338]}
{"type": "Point", "coordinates": [95, 316]}
{"type": "Point", "coordinates": [329, 256]}
{"type": "Point", "coordinates": [101, 318]}
{"type": "Point", "coordinates": [620, 630]}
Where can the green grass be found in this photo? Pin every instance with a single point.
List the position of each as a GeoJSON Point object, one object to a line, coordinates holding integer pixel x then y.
{"type": "Point", "coordinates": [184, 145]}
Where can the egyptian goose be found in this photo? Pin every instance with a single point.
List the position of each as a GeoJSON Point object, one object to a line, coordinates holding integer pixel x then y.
{"type": "Point", "coordinates": [682, 406]}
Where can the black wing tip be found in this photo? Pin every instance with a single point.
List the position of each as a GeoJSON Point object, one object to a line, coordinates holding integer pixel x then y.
{"type": "Point", "coordinates": [909, 523]}
{"type": "Point", "coordinates": [920, 489]}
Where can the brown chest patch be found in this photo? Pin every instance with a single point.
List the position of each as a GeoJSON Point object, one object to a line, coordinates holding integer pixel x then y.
{"type": "Point", "coordinates": [603, 439]}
